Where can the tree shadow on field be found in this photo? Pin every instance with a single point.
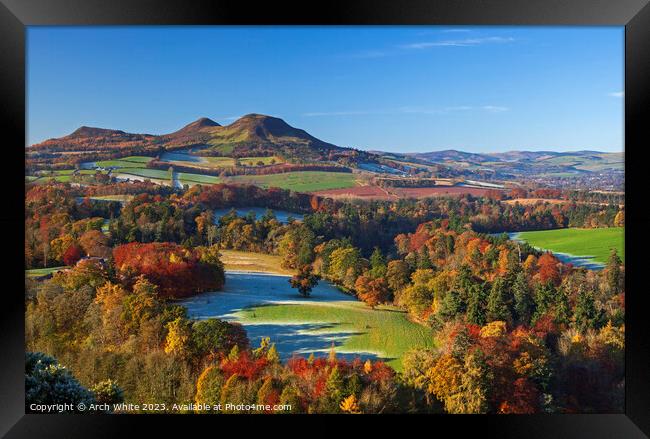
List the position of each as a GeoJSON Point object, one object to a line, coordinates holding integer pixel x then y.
{"type": "Point", "coordinates": [302, 339]}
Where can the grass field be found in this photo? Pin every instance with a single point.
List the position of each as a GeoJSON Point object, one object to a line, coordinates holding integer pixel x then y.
{"type": "Point", "coordinates": [126, 162]}
{"type": "Point", "coordinates": [267, 306]}
{"type": "Point", "coordinates": [303, 181]}
{"type": "Point", "coordinates": [253, 161]}
{"type": "Point", "coordinates": [188, 178]}
{"type": "Point", "coordinates": [147, 173]}
{"type": "Point", "coordinates": [117, 197]}
{"type": "Point", "coordinates": [385, 332]}
{"type": "Point", "coordinates": [217, 162]}
{"type": "Point", "coordinates": [579, 242]}
{"type": "Point", "coordinates": [61, 175]}
{"type": "Point", "coordinates": [38, 272]}
{"type": "Point", "coordinates": [255, 262]}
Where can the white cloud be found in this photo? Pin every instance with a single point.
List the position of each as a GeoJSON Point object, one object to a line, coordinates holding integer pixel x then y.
{"type": "Point", "coordinates": [617, 94]}
{"type": "Point", "coordinates": [466, 42]}
{"type": "Point", "coordinates": [463, 42]}
{"type": "Point", "coordinates": [494, 108]}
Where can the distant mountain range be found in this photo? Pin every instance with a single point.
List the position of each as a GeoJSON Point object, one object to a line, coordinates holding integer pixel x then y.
{"type": "Point", "coordinates": [521, 163]}
{"type": "Point", "coordinates": [261, 135]}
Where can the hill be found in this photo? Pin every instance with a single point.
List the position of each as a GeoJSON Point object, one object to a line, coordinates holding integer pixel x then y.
{"type": "Point", "coordinates": [253, 135]}
{"type": "Point", "coordinates": [260, 135]}
{"type": "Point", "coordinates": [531, 164]}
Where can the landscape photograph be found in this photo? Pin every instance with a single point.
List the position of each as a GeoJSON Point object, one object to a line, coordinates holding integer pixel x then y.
{"type": "Point", "coordinates": [325, 220]}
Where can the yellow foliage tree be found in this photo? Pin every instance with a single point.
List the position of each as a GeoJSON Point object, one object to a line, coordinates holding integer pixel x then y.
{"type": "Point", "coordinates": [110, 299]}
{"type": "Point", "coordinates": [208, 386]}
{"type": "Point", "coordinates": [60, 245]}
{"type": "Point", "coordinates": [178, 337]}
{"type": "Point", "coordinates": [350, 405]}
{"type": "Point", "coordinates": [493, 329]}
{"type": "Point", "coordinates": [332, 355]}
{"type": "Point", "coordinates": [619, 219]}
{"type": "Point", "coordinates": [444, 377]}
{"type": "Point", "coordinates": [612, 336]}
{"type": "Point", "coordinates": [530, 263]}
{"type": "Point", "coordinates": [272, 355]}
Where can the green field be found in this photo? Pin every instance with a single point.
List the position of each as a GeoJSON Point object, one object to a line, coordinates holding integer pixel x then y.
{"type": "Point", "coordinates": [303, 181]}
{"type": "Point", "coordinates": [579, 242]}
{"type": "Point", "coordinates": [212, 162]}
{"type": "Point", "coordinates": [252, 161]}
{"type": "Point", "coordinates": [57, 178]}
{"type": "Point", "coordinates": [61, 175]}
{"type": "Point", "coordinates": [118, 197]}
{"type": "Point", "coordinates": [126, 162]}
{"type": "Point", "coordinates": [38, 272]}
{"type": "Point", "coordinates": [187, 178]}
{"type": "Point", "coordinates": [385, 331]}
{"type": "Point", "coordinates": [147, 173]}
{"type": "Point", "coordinates": [225, 162]}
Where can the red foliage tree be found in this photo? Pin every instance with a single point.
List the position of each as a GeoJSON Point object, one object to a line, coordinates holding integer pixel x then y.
{"type": "Point", "coordinates": [548, 268]}
{"type": "Point", "coordinates": [72, 255]}
{"type": "Point", "coordinates": [524, 398]}
{"type": "Point", "coordinates": [244, 366]}
{"type": "Point", "coordinates": [177, 271]}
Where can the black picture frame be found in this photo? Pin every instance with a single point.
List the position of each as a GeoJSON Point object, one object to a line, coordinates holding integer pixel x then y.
{"type": "Point", "coordinates": [15, 15]}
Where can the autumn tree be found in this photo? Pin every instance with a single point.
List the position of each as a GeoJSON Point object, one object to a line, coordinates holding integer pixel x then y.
{"type": "Point", "coordinates": [208, 386]}
{"type": "Point", "coordinates": [109, 302]}
{"type": "Point", "coordinates": [203, 222]}
{"type": "Point", "coordinates": [619, 219]}
{"type": "Point", "coordinates": [297, 246]}
{"type": "Point", "coordinates": [350, 405]}
{"type": "Point", "coordinates": [474, 389]}
{"type": "Point", "coordinates": [372, 291]}
{"type": "Point", "coordinates": [345, 265]}
{"type": "Point", "coordinates": [397, 275]}
{"type": "Point", "coordinates": [95, 243]}
{"type": "Point", "coordinates": [72, 255]}
{"type": "Point", "coordinates": [548, 269]}
{"type": "Point", "coordinates": [304, 280]}
{"type": "Point", "coordinates": [59, 246]}
{"type": "Point", "coordinates": [178, 338]}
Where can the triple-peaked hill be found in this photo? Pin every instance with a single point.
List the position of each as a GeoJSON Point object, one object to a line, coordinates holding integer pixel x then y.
{"type": "Point", "coordinates": [250, 135]}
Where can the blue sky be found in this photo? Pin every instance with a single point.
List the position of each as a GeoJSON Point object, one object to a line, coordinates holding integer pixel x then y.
{"type": "Point", "coordinates": [405, 89]}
